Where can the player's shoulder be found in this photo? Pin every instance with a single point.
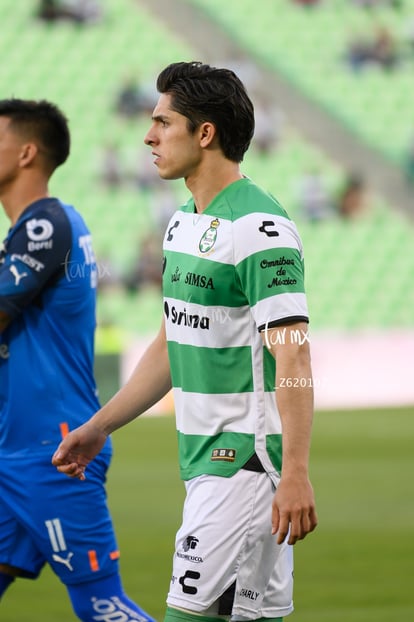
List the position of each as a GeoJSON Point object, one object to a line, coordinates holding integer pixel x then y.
{"type": "Point", "coordinates": [246, 198]}
{"type": "Point", "coordinates": [259, 221]}
{"type": "Point", "coordinates": [48, 217]}
{"type": "Point", "coordinates": [42, 217]}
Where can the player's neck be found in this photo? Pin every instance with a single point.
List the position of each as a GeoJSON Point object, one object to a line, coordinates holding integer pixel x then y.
{"type": "Point", "coordinates": [15, 200]}
{"type": "Point", "coordinates": [210, 180]}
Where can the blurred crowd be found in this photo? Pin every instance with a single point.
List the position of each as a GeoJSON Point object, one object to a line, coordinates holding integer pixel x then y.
{"type": "Point", "coordinates": [77, 11]}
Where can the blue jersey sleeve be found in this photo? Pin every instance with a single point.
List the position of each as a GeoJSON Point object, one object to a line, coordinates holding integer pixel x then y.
{"type": "Point", "coordinates": [33, 257]}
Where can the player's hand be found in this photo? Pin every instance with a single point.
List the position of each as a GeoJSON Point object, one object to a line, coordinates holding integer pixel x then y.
{"type": "Point", "coordinates": [293, 510]}
{"type": "Point", "coordinates": [77, 450]}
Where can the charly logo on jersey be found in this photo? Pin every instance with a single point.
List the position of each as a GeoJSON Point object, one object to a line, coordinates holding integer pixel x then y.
{"type": "Point", "coordinates": [39, 231]}
{"type": "Point", "coordinates": [209, 237]}
{"type": "Point", "coordinates": [250, 594]}
{"type": "Point", "coordinates": [185, 318]}
{"type": "Point", "coordinates": [268, 227]}
{"type": "Point", "coordinates": [170, 232]}
{"type": "Point", "coordinates": [189, 588]}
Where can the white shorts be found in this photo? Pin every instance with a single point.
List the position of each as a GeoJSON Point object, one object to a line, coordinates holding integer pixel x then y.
{"type": "Point", "coordinates": [225, 541]}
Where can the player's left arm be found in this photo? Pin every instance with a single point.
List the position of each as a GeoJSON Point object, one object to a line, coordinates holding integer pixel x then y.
{"type": "Point", "coordinates": [269, 263]}
{"type": "Point", "coordinates": [293, 512]}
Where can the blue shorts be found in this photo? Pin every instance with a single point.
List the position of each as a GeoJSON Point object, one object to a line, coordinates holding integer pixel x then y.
{"type": "Point", "coordinates": [46, 517]}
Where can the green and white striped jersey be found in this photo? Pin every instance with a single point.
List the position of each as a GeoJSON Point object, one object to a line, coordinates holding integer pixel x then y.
{"type": "Point", "coordinates": [229, 273]}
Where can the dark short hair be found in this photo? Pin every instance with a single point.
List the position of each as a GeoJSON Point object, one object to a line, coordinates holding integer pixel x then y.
{"type": "Point", "coordinates": [41, 122]}
{"type": "Point", "coordinates": [204, 93]}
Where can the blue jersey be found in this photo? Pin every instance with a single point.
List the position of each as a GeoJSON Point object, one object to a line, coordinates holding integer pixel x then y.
{"type": "Point", "coordinates": [48, 281]}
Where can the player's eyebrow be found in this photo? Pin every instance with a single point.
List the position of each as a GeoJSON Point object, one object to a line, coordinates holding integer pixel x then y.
{"type": "Point", "coordinates": [160, 118]}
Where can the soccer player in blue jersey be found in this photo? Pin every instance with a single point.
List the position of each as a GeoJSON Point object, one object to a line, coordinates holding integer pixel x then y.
{"type": "Point", "coordinates": [48, 280]}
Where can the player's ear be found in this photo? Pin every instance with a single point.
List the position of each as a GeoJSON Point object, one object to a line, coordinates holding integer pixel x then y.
{"type": "Point", "coordinates": [207, 132]}
{"type": "Point", "coordinates": [28, 152]}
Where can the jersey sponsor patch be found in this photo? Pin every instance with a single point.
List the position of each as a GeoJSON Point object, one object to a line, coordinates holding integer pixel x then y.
{"type": "Point", "coordinates": [30, 261]}
{"type": "Point", "coordinates": [39, 231]}
{"type": "Point", "coordinates": [189, 544]}
{"type": "Point", "coordinates": [228, 455]}
{"type": "Point", "coordinates": [185, 318]}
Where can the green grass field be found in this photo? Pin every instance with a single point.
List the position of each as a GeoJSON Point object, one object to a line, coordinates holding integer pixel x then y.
{"type": "Point", "coordinates": [356, 567]}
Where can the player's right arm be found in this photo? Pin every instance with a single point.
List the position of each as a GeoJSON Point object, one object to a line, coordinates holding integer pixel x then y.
{"type": "Point", "coordinates": [149, 382]}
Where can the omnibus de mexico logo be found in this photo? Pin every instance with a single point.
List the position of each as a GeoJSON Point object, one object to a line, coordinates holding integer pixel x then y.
{"type": "Point", "coordinates": [208, 239]}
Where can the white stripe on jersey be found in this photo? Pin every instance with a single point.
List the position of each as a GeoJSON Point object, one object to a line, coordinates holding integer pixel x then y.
{"type": "Point", "coordinates": [212, 327]}
{"type": "Point", "coordinates": [214, 413]}
{"type": "Point", "coordinates": [280, 307]}
{"type": "Point", "coordinates": [230, 408]}
{"type": "Point", "coordinates": [191, 228]}
{"type": "Point", "coordinates": [248, 228]}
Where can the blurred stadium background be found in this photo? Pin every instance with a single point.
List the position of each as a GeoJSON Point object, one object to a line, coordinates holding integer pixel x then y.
{"type": "Point", "coordinates": [330, 120]}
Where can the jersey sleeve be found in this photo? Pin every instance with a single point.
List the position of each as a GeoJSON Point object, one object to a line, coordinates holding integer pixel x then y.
{"type": "Point", "coordinates": [34, 255]}
{"type": "Point", "coordinates": [269, 262]}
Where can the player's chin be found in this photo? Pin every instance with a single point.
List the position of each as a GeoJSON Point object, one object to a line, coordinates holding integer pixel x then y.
{"type": "Point", "coordinates": [168, 174]}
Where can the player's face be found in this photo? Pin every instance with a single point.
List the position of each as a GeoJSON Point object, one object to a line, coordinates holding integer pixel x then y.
{"type": "Point", "coordinates": [177, 152]}
{"type": "Point", "coordinates": [10, 152]}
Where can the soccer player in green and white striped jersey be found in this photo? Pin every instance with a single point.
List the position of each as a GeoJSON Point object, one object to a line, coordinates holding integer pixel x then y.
{"type": "Point", "coordinates": [234, 347]}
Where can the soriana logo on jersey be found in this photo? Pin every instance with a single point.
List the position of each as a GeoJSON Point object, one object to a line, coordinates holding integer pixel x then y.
{"type": "Point", "coordinates": [183, 317]}
{"type": "Point", "coordinates": [209, 237]}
